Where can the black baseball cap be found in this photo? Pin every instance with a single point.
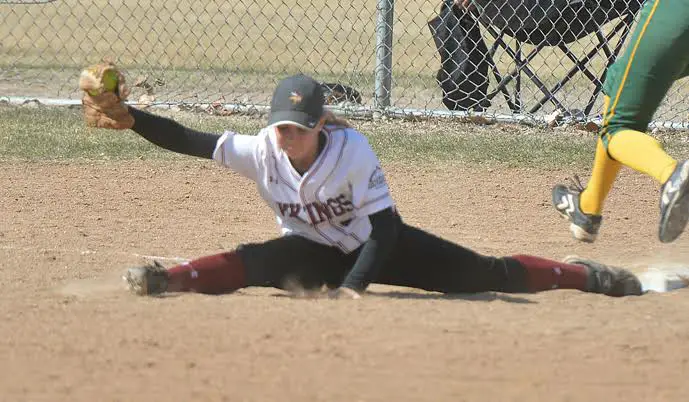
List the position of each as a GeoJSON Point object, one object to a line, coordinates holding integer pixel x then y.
{"type": "Point", "coordinates": [297, 100]}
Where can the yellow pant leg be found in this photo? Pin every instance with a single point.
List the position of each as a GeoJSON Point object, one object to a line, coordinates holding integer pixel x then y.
{"type": "Point", "coordinates": [603, 176]}
{"type": "Point", "coordinates": [642, 153]}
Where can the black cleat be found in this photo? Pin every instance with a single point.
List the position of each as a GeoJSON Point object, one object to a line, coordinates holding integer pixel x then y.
{"type": "Point", "coordinates": [147, 280]}
{"type": "Point", "coordinates": [611, 281]}
{"type": "Point", "coordinates": [674, 204]}
{"type": "Point", "coordinates": [584, 227]}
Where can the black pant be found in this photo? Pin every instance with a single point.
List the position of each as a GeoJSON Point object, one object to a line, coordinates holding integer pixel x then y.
{"type": "Point", "coordinates": [419, 260]}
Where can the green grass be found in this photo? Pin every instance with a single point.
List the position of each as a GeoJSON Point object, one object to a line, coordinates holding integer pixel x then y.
{"type": "Point", "coordinates": [510, 145]}
{"type": "Point", "coordinates": [59, 134]}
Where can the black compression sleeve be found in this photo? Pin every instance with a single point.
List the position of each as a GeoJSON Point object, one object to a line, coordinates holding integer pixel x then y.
{"type": "Point", "coordinates": [376, 251]}
{"type": "Point", "coordinates": [169, 134]}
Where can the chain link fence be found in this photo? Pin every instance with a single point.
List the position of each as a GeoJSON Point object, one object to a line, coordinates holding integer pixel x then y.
{"type": "Point", "coordinates": [504, 58]}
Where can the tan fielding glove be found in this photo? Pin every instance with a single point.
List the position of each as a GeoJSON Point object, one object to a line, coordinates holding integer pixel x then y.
{"type": "Point", "coordinates": [104, 95]}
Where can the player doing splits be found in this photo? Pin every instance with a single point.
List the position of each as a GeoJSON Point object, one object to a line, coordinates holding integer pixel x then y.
{"type": "Point", "coordinates": [338, 220]}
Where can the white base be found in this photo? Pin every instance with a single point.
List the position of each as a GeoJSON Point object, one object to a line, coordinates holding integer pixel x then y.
{"type": "Point", "coordinates": [664, 279]}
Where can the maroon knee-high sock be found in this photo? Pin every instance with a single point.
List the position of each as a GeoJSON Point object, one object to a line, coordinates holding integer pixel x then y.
{"type": "Point", "coordinates": [545, 274]}
{"type": "Point", "coordinates": [213, 274]}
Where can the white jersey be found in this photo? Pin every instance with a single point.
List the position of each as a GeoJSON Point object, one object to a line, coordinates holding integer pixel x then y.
{"type": "Point", "coordinates": [328, 204]}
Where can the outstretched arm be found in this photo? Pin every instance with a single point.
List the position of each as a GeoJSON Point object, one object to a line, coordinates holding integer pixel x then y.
{"type": "Point", "coordinates": [169, 134]}
{"type": "Point", "coordinates": [376, 250]}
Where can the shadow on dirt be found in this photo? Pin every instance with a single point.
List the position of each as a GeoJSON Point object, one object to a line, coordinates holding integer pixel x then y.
{"type": "Point", "coordinates": [483, 297]}
{"type": "Point", "coordinates": [480, 297]}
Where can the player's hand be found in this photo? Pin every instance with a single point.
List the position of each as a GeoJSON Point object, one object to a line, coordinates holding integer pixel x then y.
{"type": "Point", "coordinates": [344, 293]}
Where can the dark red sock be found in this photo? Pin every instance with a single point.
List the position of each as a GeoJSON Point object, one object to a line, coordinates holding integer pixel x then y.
{"type": "Point", "coordinates": [545, 274]}
{"type": "Point", "coordinates": [220, 273]}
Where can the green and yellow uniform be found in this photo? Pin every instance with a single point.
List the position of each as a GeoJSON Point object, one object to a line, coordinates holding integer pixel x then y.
{"type": "Point", "coordinates": [656, 56]}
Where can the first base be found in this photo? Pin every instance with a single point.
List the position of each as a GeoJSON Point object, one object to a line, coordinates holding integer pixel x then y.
{"type": "Point", "coordinates": [664, 279]}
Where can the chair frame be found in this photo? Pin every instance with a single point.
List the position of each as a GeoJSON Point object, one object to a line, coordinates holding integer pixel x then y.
{"type": "Point", "coordinates": [514, 101]}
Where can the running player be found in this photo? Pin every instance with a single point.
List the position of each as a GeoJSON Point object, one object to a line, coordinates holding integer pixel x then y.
{"type": "Point", "coordinates": [657, 56]}
{"type": "Point", "coordinates": [339, 224]}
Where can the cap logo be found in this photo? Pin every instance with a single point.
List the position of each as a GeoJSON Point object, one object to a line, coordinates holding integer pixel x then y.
{"type": "Point", "coordinates": [295, 97]}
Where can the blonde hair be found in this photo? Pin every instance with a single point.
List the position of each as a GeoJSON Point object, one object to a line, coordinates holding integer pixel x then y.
{"type": "Point", "coordinates": [329, 118]}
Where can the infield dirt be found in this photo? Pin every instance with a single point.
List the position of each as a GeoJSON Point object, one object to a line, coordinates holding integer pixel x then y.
{"type": "Point", "coordinates": [71, 332]}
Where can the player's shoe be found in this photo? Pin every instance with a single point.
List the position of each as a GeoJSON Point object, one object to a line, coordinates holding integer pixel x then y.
{"type": "Point", "coordinates": [145, 280]}
{"type": "Point", "coordinates": [611, 281]}
{"type": "Point", "coordinates": [584, 227]}
{"type": "Point", "coordinates": [674, 204]}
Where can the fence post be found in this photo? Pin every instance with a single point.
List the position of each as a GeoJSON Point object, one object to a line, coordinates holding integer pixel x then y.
{"type": "Point", "coordinates": [383, 83]}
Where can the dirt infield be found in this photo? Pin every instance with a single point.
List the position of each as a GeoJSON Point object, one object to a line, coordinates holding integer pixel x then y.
{"type": "Point", "coordinates": [70, 332]}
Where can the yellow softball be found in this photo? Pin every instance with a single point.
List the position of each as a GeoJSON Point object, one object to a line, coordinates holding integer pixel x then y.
{"type": "Point", "coordinates": [110, 80]}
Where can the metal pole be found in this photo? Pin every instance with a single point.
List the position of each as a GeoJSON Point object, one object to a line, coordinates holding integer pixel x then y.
{"type": "Point", "coordinates": [384, 23]}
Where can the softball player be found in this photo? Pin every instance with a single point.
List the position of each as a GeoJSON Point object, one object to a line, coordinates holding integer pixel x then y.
{"type": "Point", "coordinates": [657, 56]}
{"type": "Point", "coordinates": [339, 224]}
